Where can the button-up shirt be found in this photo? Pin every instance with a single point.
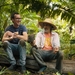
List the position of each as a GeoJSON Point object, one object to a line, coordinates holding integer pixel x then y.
{"type": "Point", "coordinates": [40, 39]}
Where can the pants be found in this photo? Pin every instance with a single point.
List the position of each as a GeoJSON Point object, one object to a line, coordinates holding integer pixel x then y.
{"type": "Point", "coordinates": [41, 56]}
{"type": "Point", "coordinates": [16, 50]}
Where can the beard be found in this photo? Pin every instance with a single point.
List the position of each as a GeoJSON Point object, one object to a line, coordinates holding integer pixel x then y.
{"type": "Point", "coordinates": [46, 30]}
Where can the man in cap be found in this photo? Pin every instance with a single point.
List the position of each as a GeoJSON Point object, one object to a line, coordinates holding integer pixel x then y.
{"type": "Point", "coordinates": [48, 45]}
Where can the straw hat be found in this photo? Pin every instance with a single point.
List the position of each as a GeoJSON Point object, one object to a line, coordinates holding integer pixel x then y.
{"type": "Point", "coordinates": [47, 21]}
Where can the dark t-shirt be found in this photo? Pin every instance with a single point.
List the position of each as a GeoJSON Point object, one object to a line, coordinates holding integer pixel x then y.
{"type": "Point", "coordinates": [20, 31]}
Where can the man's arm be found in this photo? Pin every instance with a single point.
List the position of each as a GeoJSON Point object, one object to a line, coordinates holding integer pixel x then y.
{"type": "Point", "coordinates": [56, 49]}
{"type": "Point", "coordinates": [24, 36]}
{"type": "Point", "coordinates": [7, 36]}
{"type": "Point", "coordinates": [56, 42]}
{"type": "Point", "coordinates": [38, 40]}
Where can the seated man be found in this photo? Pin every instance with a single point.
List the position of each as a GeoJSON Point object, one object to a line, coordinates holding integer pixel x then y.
{"type": "Point", "coordinates": [46, 46]}
{"type": "Point", "coordinates": [14, 42]}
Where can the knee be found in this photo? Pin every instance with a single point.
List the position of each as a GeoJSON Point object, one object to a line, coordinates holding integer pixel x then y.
{"type": "Point", "coordinates": [60, 55]}
{"type": "Point", "coordinates": [22, 42]}
{"type": "Point", "coordinates": [33, 50]}
{"type": "Point", "coordinates": [5, 44]}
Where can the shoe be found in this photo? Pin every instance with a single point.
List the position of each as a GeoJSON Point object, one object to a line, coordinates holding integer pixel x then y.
{"type": "Point", "coordinates": [22, 69]}
{"type": "Point", "coordinates": [42, 69]}
{"type": "Point", "coordinates": [12, 68]}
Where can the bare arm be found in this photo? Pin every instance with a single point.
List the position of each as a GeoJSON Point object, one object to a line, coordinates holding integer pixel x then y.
{"type": "Point", "coordinates": [7, 36]}
{"type": "Point", "coordinates": [24, 36]}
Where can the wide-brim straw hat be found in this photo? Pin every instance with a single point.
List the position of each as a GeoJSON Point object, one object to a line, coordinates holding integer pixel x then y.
{"type": "Point", "coordinates": [49, 22]}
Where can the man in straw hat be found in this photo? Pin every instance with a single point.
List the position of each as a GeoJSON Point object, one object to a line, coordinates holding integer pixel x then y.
{"type": "Point", "coordinates": [48, 45]}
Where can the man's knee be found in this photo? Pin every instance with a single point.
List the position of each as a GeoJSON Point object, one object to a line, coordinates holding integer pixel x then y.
{"type": "Point", "coordinates": [5, 44]}
{"type": "Point", "coordinates": [34, 50]}
{"type": "Point", "coordinates": [60, 54]}
{"type": "Point", "coordinates": [22, 42]}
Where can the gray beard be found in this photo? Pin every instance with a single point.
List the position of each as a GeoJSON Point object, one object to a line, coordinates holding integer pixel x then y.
{"type": "Point", "coordinates": [46, 31]}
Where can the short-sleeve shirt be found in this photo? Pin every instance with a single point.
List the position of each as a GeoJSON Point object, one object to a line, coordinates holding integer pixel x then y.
{"type": "Point", "coordinates": [20, 31]}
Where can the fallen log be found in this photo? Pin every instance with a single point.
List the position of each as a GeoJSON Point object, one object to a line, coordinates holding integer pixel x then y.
{"type": "Point", "coordinates": [32, 65]}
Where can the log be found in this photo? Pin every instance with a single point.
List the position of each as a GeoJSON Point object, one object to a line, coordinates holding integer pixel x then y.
{"type": "Point", "coordinates": [32, 65]}
{"type": "Point", "coordinates": [68, 65]}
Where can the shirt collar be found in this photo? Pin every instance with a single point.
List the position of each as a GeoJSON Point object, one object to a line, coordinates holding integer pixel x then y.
{"type": "Point", "coordinates": [42, 32]}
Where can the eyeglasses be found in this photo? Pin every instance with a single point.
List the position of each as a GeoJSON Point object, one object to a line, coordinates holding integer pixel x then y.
{"type": "Point", "coordinates": [18, 18]}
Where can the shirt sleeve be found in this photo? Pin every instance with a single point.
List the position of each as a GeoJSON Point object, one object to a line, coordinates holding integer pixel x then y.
{"type": "Point", "coordinates": [56, 40]}
{"type": "Point", "coordinates": [24, 29]}
{"type": "Point", "coordinates": [37, 40]}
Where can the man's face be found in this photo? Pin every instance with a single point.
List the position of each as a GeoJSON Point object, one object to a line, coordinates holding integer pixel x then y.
{"type": "Point", "coordinates": [46, 28]}
{"type": "Point", "coordinates": [16, 20]}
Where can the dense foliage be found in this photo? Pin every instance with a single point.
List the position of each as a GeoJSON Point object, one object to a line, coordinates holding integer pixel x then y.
{"type": "Point", "coordinates": [61, 11]}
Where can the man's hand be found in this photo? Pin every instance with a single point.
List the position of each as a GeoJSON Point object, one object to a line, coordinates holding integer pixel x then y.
{"type": "Point", "coordinates": [9, 35]}
{"type": "Point", "coordinates": [32, 43]}
{"type": "Point", "coordinates": [15, 35]}
{"type": "Point", "coordinates": [55, 50]}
